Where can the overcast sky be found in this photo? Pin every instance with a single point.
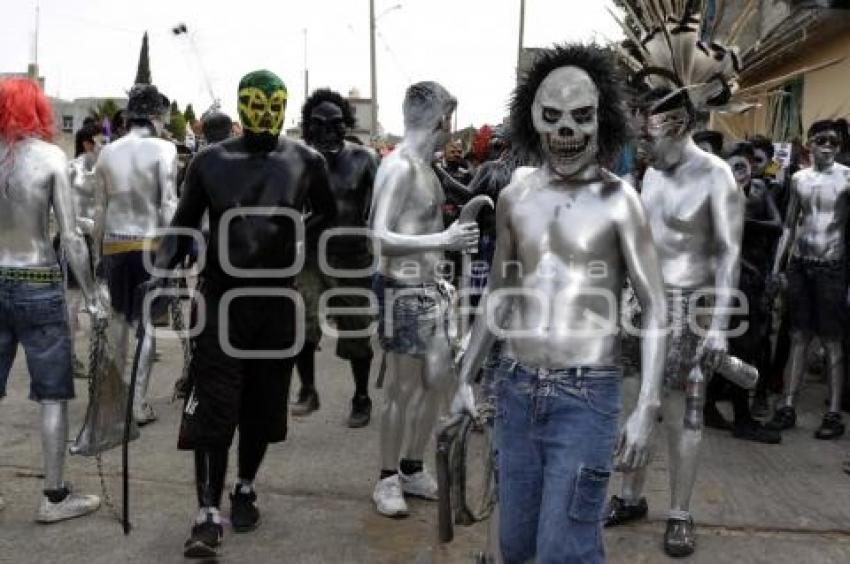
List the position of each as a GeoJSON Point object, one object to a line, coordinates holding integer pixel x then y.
{"type": "Point", "coordinates": [90, 47]}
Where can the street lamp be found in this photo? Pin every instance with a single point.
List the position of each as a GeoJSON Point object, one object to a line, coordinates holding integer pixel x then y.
{"type": "Point", "coordinates": [373, 70]}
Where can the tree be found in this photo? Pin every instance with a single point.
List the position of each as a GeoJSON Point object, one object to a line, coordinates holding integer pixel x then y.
{"type": "Point", "coordinates": [143, 71]}
{"type": "Point", "coordinates": [177, 123]}
{"type": "Point", "coordinates": [189, 114]}
{"type": "Point", "coordinates": [103, 109]}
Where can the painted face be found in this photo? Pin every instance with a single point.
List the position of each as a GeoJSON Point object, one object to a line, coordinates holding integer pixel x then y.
{"type": "Point", "coordinates": [327, 128]}
{"type": "Point", "coordinates": [453, 152]}
{"type": "Point", "coordinates": [662, 136]}
{"type": "Point", "coordinates": [741, 169]}
{"type": "Point", "coordinates": [760, 162]}
{"type": "Point", "coordinates": [565, 116]}
{"type": "Point", "coordinates": [823, 146]}
{"type": "Point", "coordinates": [262, 103]}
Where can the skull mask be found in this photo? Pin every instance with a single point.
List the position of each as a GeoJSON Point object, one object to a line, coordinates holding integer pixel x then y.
{"type": "Point", "coordinates": [741, 169]}
{"type": "Point", "coordinates": [565, 115]}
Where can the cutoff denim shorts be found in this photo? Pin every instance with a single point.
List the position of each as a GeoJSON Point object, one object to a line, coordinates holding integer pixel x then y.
{"type": "Point", "coordinates": [34, 315]}
{"type": "Point", "coordinates": [555, 434]}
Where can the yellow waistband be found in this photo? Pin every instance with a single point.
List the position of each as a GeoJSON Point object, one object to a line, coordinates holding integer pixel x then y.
{"type": "Point", "coordinates": [116, 247]}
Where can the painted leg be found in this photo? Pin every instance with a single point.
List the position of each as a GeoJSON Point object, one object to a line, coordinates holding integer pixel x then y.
{"type": "Point", "coordinates": [404, 377]}
{"type": "Point", "coordinates": [684, 424]}
{"type": "Point", "coordinates": [142, 410]}
{"type": "Point", "coordinates": [785, 417]}
{"type": "Point", "coordinates": [832, 426]}
{"type": "Point", "coordinates": [58, 502]}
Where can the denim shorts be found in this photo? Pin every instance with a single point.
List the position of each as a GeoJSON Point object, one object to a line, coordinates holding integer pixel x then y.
{"type": "Point", "coordinates": [34, 315]}
{"type": "Point", "coordinates": [555, 434]}
{"type": "Point", "coordinates": [415, 315]}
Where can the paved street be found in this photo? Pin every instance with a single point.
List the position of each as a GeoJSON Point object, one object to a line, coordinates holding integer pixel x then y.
{"type": "Point", "coordinates": [754, 503]}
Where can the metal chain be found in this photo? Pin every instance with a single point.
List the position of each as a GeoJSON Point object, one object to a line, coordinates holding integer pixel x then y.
{"type": "Point", "coordinates": [97, 360]}
{"type": "Point", "coordinates": [178, 323]}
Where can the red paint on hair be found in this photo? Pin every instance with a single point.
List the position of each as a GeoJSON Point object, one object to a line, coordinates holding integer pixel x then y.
{"type": "Point", "coordinates": [24, 111]}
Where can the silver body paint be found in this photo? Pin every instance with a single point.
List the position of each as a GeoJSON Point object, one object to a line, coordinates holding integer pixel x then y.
{"type": "Point", "coordinates": [136, 194]}
{"type": "Point", "coordinates": [83, 179]}
{"type": "Point", "coordinates": [816, 222]}
{"type": "Point", "coordinates": [406, 219]}
{"type": "Point", "coordinates": [34, 181]}
{"type": "Point", "coordinates": [696, 216]}
{"type": "Point", "coordinates": [139, 192]}
{"type": "Point", "coordinates": [567, 235]}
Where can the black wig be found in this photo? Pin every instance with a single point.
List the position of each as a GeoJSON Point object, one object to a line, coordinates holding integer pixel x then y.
{"type": "Point", "coordinates": [325, 95]}
{"type": "Point", "coordinates": [598, 62]}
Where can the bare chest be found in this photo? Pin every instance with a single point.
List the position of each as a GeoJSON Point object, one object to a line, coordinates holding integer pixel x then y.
{"type": "Point", "coordinates": [572, 226]}
{"type": "Point", "coordinates": [674, 206]}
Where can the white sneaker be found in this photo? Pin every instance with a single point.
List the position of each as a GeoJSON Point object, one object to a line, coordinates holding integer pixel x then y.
{"type": "Point", "coordinates": [74, 505]}
{"type": "Point", "coordinates": [143, 413]}
{"type": "Point", "coordinates": [420, 484]}
{"type": "Point", "coordinates": [388, 497]}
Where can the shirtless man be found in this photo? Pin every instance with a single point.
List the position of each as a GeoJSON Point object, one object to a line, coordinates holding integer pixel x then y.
{"type": "Point", "coordinates": [83, 179]}
{"type": "Point", "coordinates": [567, 235]}
{"type": "Point", "coordinates": [34, 180]}
{"type": "Point", "coordinates": [407, 222]}
{"type": "Point", "coordinates": [696, 213]}
{"type": "Point", "coordinates": [817, 274]}
{"type": "Point", "coordinates": [136, 195]}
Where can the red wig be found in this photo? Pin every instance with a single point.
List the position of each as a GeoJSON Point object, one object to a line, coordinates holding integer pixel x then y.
{"type": "Point", "coordinates": [24, 111]}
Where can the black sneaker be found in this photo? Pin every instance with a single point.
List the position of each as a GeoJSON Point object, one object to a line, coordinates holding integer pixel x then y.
{"type": "Point", "coordinates": [361, 412]}
{"type": "Point", "coordinates": [785, 418]}
{"type": "Point", "coordinates": [205, 539]}
{"type": "Point", "coordinates": [619, 512]}
{"type": "Point", "coordinates": [680, 538]}
{"type": "Point", "coordinates": [756, 432]}
{"type": "Point", "coordinates": [308, 402]}
{"type": "Point", "coordinates": [831, 427]}
{"type": "Point", "coordinates": [244, 515]}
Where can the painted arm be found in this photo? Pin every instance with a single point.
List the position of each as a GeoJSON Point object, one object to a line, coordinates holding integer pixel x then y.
{"type": "Point", "coordinates": [641, 259]}
{"type": "Point", "coordinates": [76, 250]}
{"type": "Point", "coordinates": [101, 200]}
{"type": "Point", "coordinates": [494, 309]}
{"type": "Point", "coordinates": [788, 229]}
{"type": "Point", "coordinates": [393, 185]}
{"type": "Point", "coordinates": [367, 181]}
{"type": "Point", "coordinates": [321, 200]}
{"type": "Point", "coordinates": [727, 217]}
{"type": "Point", "coordinates": [167, 178]}
{"type": "Point", "coordinates": [173, 248]}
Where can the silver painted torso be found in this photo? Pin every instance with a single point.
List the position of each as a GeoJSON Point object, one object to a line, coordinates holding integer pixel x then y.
{"type": "Point", "coordinates": [27, 194]}
{"type": "Point", "coordinates": [83, 179]}
{"type": "Point", "coordinates": [679, 207]}
{"type": "Point", "coordinates": [138, 174]}
{"type": "Point", "coordinates": [567, 247]}
{"type": "Point", "coordinates": [822, 196]}
{"type": "Point", "coordinates": [419, 214]}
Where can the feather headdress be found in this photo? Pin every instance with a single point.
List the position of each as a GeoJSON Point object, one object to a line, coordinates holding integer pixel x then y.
{"type": "Point", "coordinates": [675, 48]}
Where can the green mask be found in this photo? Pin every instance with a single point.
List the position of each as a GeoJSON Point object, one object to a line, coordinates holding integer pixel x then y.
{"type": "Point", "coordinates": [262, 102]}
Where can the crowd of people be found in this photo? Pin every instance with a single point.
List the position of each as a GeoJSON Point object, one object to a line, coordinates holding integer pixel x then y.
{"type": "Point", "coordinates": [706, 233]}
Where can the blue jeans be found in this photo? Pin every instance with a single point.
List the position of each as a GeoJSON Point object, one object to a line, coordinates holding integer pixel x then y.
{"type": "Point", "coordinates": [555, 434]}
{"type": "Point", "coordinates": [34, 315]}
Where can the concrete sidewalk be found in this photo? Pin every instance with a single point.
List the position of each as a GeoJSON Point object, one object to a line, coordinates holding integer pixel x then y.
{"type": "Point", "coordinates": [788, 503]}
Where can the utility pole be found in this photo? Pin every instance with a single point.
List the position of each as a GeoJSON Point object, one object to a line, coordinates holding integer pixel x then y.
{"type": "Point", "coordinates": [521, 34]}
{"type": "Point", "coordinates": [306, 72]}
{"type": "Point", "coordinates": [374, 72]}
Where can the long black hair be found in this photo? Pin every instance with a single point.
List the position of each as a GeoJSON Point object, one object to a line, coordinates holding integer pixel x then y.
{"type": "Point", "coordinates": [596, 61]}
